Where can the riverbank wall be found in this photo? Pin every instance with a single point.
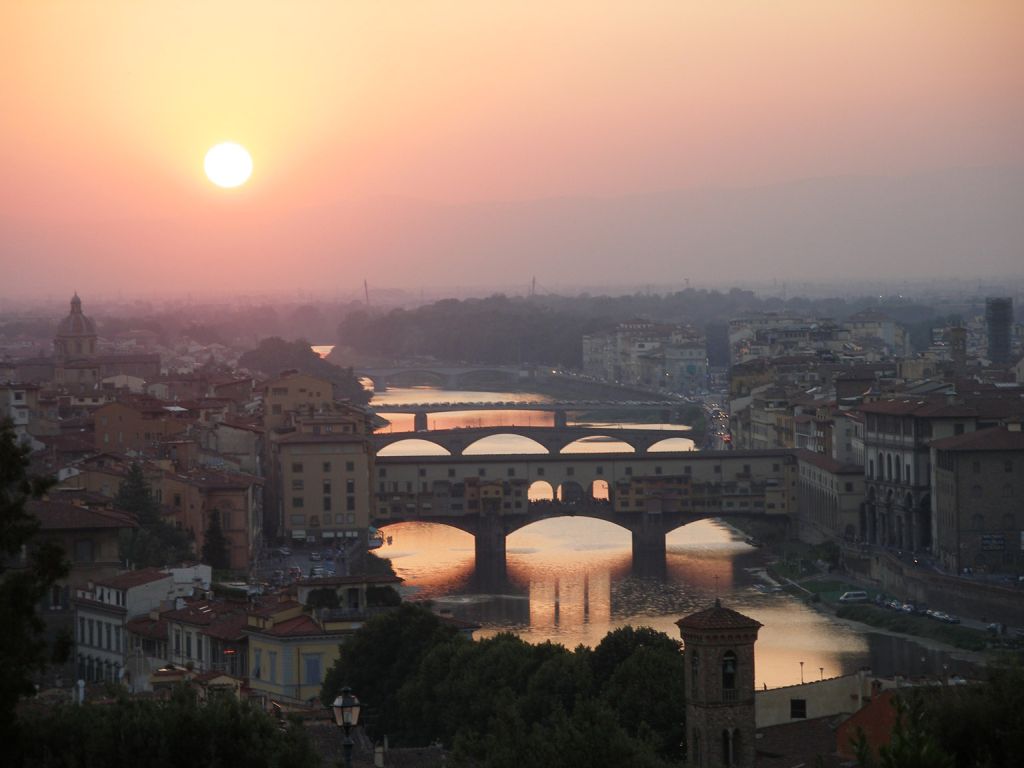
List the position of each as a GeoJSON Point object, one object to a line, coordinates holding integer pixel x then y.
{"type": "Point", "coordinates": [965, 597]}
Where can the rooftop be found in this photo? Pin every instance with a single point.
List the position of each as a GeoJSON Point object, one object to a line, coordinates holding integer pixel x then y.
{"type": "Point", "coordinates": [717, 617]}
{"type": "Point", "coordinates": [994, 439]}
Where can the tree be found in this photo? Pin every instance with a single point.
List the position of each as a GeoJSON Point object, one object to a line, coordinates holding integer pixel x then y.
{"type": "Point", "coordinates": [23, 582]}
{"type": "Point", "coordinates": [215, 545]}
{"type": "Point", "coordinates": [158, 734]}
{"type": "Point", "coordinates": [154, 542]}
{"type": "Point", "coordinates": [274, 355]}
{"type": "Point", "coordinates": [378, 659]}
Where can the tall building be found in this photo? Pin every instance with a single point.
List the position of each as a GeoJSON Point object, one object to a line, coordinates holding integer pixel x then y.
{"type": "Point", "coordinates": [718, 648]}
{"type": "Point", "coordinates": [999, 324]}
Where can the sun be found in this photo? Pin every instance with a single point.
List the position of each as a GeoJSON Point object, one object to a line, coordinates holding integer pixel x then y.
{"type": "Point", "coordinates": [228, 164]}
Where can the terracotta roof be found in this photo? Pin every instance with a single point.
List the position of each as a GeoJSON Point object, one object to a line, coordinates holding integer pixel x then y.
{"type": "Point", "coordinates": [269, 608]}
{"type": "Point", "coordinates": [994, 439]}
{"type": "Point", "coordinates": [717, 617]}
{"type": "Point", "coordinates": [143, 626]}
{"type": "Point", "coordinates": [64, 516]}
{"type": "Point", "coordinates": [228, 628]}
{"type": "Point", "coordinates": [130, 579]}
{"type": "Point", "coordinates": [805, 742]}
{"type": "Point", "coordinates": [300, 626]}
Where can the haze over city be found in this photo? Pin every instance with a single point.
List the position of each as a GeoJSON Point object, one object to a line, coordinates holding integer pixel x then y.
{"type": "Point", "coordinates": [462, 144]}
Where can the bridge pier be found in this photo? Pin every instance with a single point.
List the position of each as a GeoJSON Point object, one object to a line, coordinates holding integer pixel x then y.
{"type": "Point", "coordinates": [649, 544]}
{"type": "Point", "coordinates": [561, 419]}
{"type": "Point", "coordinates": [489, 540]}
{"type": "Point", "coordinates": [419, 421]}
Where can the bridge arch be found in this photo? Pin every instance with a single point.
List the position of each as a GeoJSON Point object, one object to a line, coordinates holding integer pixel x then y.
{"type": "Point", "coordinates": [570, 492]}
{"type": "Point", "coordinates": [481, 447]}
{"type": "Point", "coordinates": [674, 444]}
{"type": "Point", "coordinates": [413, 446]}
{"type": "Point", "coordinates": [381, 523]}
{"type": "Point", "coordinates": [610, 443]}
{"type": "Point", "coordinates": [540, 490]}
{"type": "Point", "coordinates": [600, 490]}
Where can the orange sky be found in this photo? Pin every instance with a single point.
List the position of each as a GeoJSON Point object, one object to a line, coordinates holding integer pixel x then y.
{"type": "Point", "coordinates": [108, 108]}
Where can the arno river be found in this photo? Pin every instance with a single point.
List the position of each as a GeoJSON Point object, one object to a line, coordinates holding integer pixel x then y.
{"type": "Point", "coordinates": [571, 580]}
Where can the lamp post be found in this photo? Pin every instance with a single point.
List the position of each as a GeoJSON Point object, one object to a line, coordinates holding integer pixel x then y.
{"type": "Point", "coordinates": [801, 673]}
{"type": "Point", "coordinates": [346, 716]}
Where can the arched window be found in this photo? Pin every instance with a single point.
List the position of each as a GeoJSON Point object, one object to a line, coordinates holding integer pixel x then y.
{"type": "Point", "coordinates": [729, 671]}
{"type": "Point", "coordinates": [888, 466]}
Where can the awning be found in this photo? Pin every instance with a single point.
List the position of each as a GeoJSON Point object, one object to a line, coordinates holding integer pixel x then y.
{"type": "Point", "coordinates": [327, 534]}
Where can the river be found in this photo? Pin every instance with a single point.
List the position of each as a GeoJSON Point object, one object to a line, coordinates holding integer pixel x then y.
{"type": "Point", "coordinates": [572, 580]}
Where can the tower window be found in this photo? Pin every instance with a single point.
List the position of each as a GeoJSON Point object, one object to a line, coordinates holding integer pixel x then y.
{"type": "Point", "coordinates": [729, 671]}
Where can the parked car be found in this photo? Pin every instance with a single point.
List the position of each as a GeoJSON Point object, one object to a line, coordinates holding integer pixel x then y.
{"type": "Point", "coordinates": [317, 572]}
{"type": "Point", "coordinates": [284, 552]}
{"type": "Point", "coordinates": [314, 556]}
{"type": "Point", "coordinates": [854, 596]}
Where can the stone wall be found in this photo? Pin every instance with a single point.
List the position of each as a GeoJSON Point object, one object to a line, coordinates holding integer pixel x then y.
{"type": "Point", "coordinates": [961, 596]}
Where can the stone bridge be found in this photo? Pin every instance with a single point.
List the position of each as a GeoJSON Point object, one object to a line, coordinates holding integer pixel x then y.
{"type": "Point", "coordinates": [554, 439]}
{"type": "Point", "coordinates": [648, 494]}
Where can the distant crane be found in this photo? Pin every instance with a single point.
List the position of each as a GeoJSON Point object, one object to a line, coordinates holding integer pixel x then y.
{"type": "Point", "coordinates": [366, 292]}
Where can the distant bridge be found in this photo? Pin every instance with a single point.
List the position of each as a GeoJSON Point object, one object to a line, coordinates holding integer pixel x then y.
{"type": "Point", "coordinates": [648, 495]}
{"type": "Point", "coordinates": [554, 439]}
{"type": "Point", "coordinates": [447, 376]}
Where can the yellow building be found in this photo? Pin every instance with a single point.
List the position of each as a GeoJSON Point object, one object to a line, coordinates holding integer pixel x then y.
{"type": "Point", "coordinates": [285, 395]}
{"type": "Point", "coordinates": [324, 491]}
{"type": "Point", "coordinates": [291, 647]}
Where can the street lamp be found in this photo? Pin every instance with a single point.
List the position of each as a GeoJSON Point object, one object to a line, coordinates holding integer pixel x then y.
{"type": "Point", "coordinates": [346, 715]}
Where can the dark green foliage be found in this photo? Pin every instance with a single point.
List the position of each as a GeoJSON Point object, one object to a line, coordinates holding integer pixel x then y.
{"type": "Point", "coordinates": [980, 725]}
{"type": "Point", "coordinates": [150, 734]}
{"type": "Point", "coordinates": [275, 355]}
{"type": "Point", "coordinates": [383, 655]}
{"type": "Point", "coordinates": [383, 597]}
{"type": "Point", "coordinates": [504, 702]}
{"type": "Point", "coordinates": [154, 542]}
{"type": "Point", "coordinates": [215, 545]}
{"type": "Point", "coordinates": [23, 583]}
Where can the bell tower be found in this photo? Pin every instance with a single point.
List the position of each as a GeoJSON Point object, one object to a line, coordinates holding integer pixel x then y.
{"type": "Point", "coordinates": [719, 657]}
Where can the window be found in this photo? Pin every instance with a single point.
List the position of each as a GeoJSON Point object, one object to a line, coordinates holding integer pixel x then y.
{"type": "Point", "coordinates": [188, 645]}
{"type": "Point", "coordinates": [297, 502]}
{"type": "Point", "coordinates": [958, 429]}
{"type": "Point", "coordinates": [629, 471]}
{"type": "Point", "coordinates": [482, 472]}
{"type": "Point", "coordinates": [83, 551]}
{"type": "Point", "coordinates": [298, 485]}
{"type": "Point", "coordinates": [382, 472]}
{"type": "Point", "coordinates": [600, 469]}
{"type": "Point", "coordinates": [511, 472]}
{"type": "Point", "coordinates": [729, 671]}
{"type": "Point", "coordinates": [298, 519]}
{"type": "Point", "coordinates": [199, 647]}
{"type": "Point", "coordinates": [177, 642]}
{"type": "Point", "coordinates": [257, 658]}
{"type": "Point", "coordinates": [350, 503]}
{"type": "Point", "coordinates": [81, 630]}
{"type": "Point", "coordinates": [848, 487]}
{"type": "Point", "coordinates": [327, 466]}
{"type": "Point", "coordinates": [540, 471]}
{"type": "Point", "coordinates": [451, 473]}
{"type": "Point", "coordinates": [570, 471]}
{"type": "Point", "coordinates": [327, 503]}
{"type": "Point", "coordinates": [272, 665]}
{"type": "Point", "coordinates": [296, 466]}
{"type": "Point", "coordinates": [311, 662]}
{"type": "Point", "coordinates": [1008, 465]}
{"type": "Point", "coordinates": [110, 636]}
{"type": "Point", "coordinates": [798, 708]}
{"type": "Point", "coordinates": [350, 466]}
{"type": "Point", "coordinates": [327, 487]}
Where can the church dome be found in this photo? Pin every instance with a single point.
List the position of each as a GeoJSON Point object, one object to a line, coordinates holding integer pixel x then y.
{"type": "Point", "coordinates": [76, 324]}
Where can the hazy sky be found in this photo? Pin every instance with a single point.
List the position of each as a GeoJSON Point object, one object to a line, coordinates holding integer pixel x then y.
{"type": "Point", "coordinates": [406, 141]}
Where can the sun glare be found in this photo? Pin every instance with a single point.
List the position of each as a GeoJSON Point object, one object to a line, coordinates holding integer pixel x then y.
{"type": "Point", "coordinates": [228, 165]}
